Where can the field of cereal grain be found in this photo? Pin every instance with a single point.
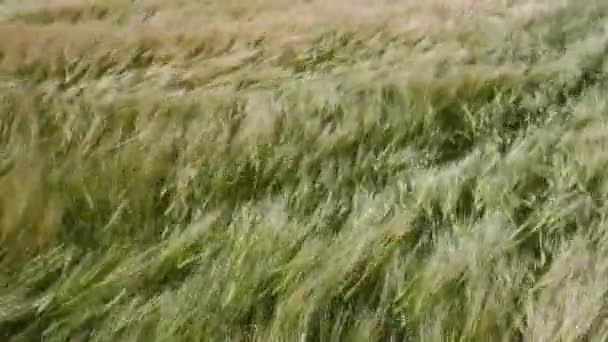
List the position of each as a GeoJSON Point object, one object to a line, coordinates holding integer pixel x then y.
{"type": "Point", "coordinates": [321, 170]}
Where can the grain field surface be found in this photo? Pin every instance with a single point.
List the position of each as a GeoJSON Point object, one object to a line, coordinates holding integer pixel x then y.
{"type": "Point", "coordinates": [290, 170]}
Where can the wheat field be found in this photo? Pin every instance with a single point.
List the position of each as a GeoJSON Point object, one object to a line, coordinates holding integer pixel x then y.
{"type": "Point", "coordinates": [274, 170]}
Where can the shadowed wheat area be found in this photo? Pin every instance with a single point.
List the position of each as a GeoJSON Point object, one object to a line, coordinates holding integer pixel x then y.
{"type": "Point", "coordinates": [274, 170]}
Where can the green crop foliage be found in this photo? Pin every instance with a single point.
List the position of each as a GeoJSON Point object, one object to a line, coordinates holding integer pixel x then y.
{"type": "Point", "coordinates": [281, 170]}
